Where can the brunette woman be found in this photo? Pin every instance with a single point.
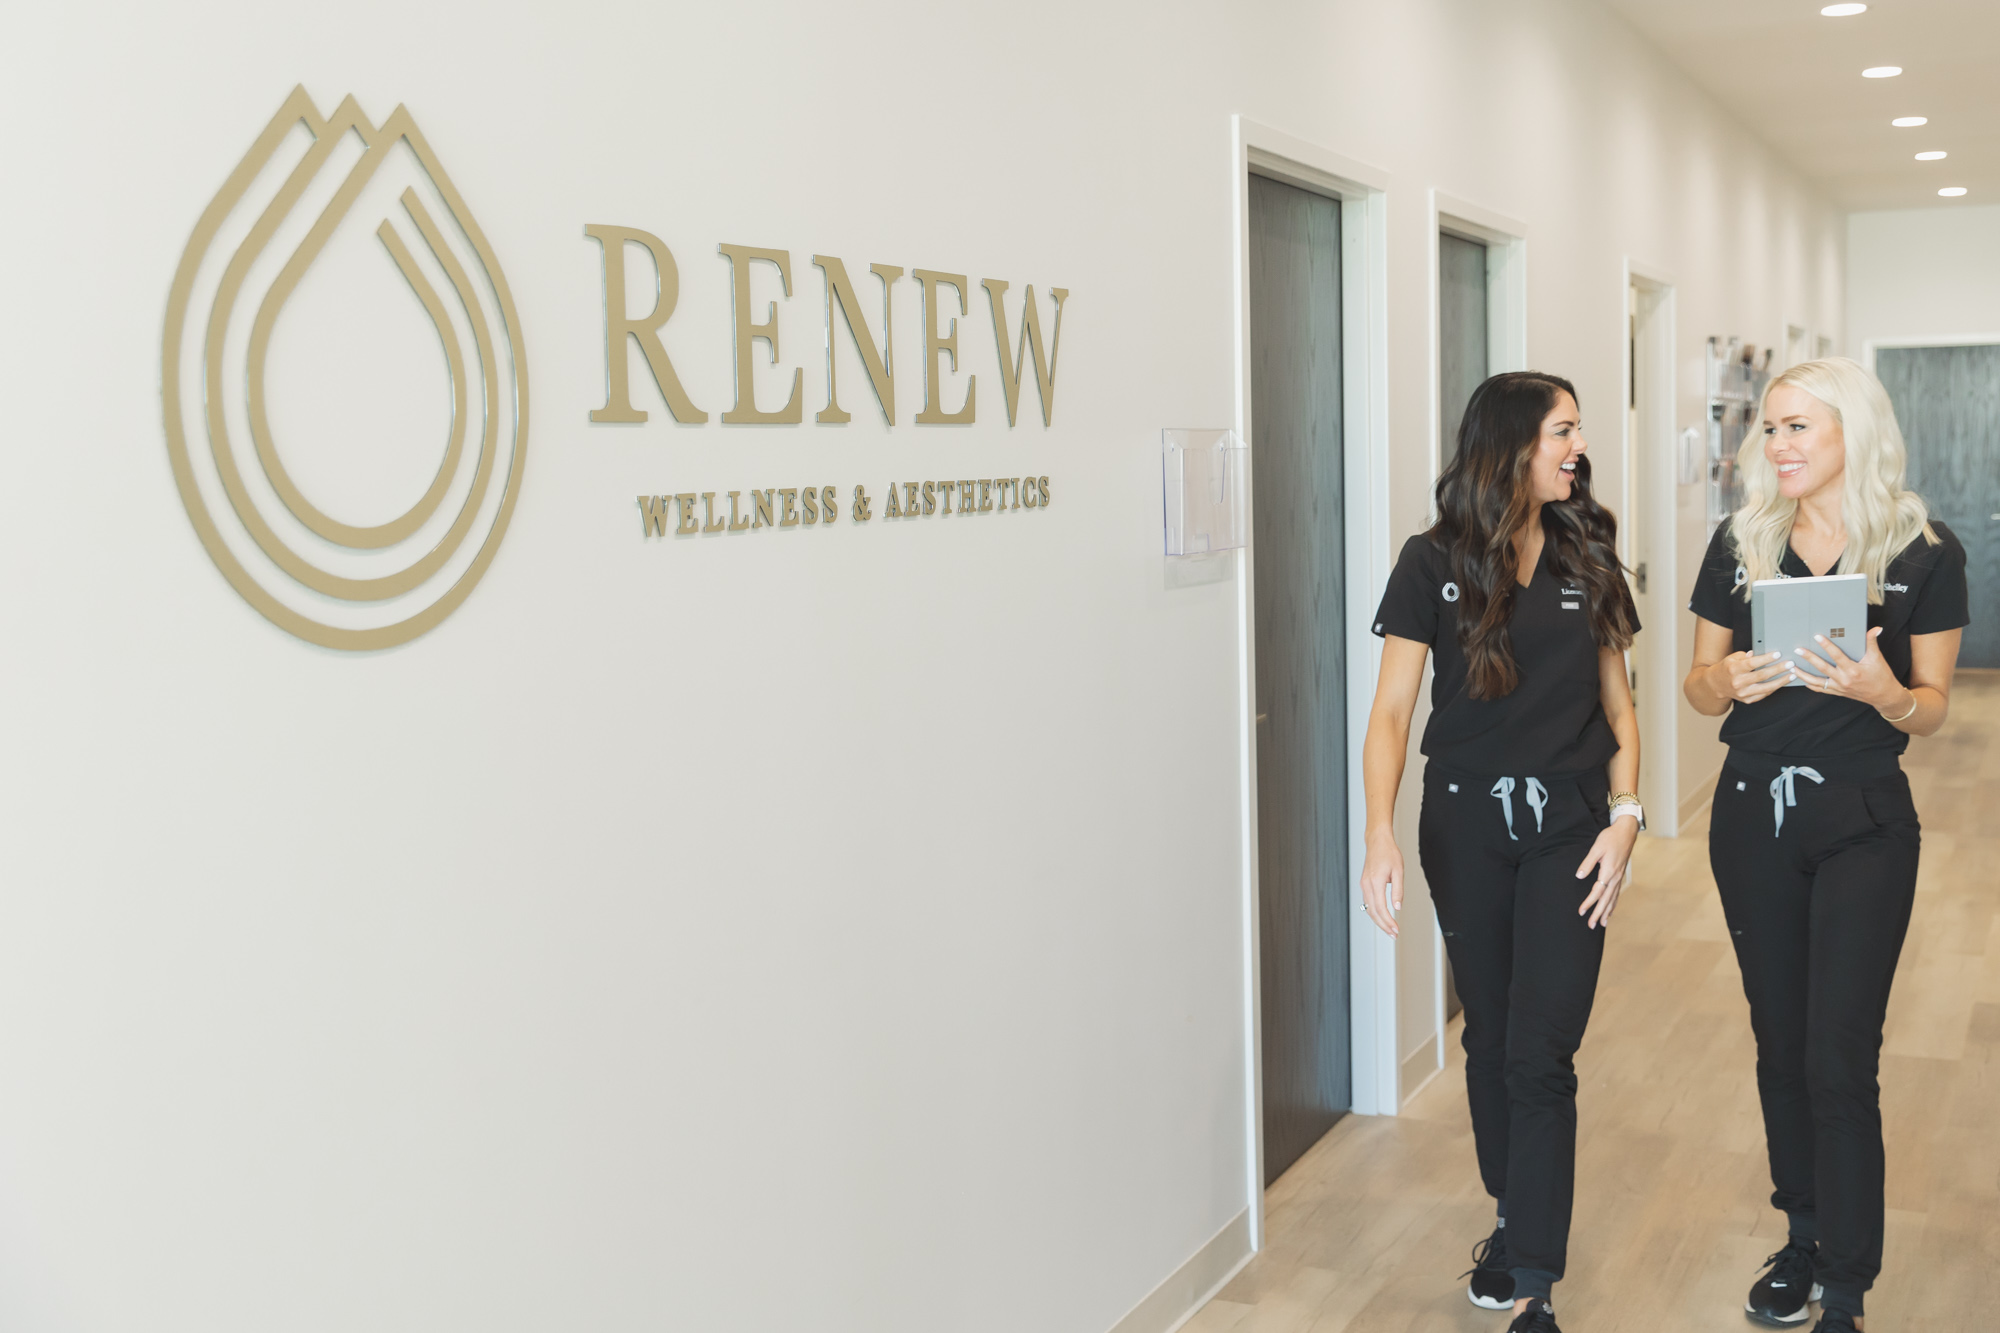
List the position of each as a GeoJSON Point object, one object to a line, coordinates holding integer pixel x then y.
{"type": "Point", "coordinates": [1533, 754]}
{"type": "Point", "coordinates": [1813, 836]}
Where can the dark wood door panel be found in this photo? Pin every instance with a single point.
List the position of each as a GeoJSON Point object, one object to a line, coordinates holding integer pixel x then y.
{"type": "Point", "coordinates": [1297, 541]}
{"type": "Point", "coordinates": [1948, 403]}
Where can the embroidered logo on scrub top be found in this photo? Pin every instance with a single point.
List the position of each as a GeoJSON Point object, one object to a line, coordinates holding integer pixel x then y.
{"type": "Point", "coordinates": [1742, 576]}
{"type": "Point", "coordinates": [1451, 592]}
{"type": "Point", "coordinates": [1895, 587]}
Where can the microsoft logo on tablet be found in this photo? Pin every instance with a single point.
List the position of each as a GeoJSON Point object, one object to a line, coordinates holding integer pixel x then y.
{"type": "Point", "coordinates": [343, 381]}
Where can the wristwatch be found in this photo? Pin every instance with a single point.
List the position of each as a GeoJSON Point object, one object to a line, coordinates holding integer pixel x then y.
{"type": "Point", "coordinates": [1627, 802]}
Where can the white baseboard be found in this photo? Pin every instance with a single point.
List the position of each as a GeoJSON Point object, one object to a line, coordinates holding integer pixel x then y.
{"type": "Point", "coordinates": [1703, 793]}
{"type": "Point", "coordinates": [1419, 1068]}
{"type": "Point", "coordinates": [1194, 1283]}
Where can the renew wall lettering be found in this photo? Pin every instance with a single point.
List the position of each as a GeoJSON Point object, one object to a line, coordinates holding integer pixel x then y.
{"type": "Point", "coordinates": [946, 298]}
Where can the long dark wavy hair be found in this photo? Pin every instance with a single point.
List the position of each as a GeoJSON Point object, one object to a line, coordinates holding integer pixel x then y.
{"type": "Point", "coordinates": [1483, 500]}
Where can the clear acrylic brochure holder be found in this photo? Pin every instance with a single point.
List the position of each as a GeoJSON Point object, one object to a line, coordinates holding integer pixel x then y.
{"type": "Point", "coordinates": [1204, 472]}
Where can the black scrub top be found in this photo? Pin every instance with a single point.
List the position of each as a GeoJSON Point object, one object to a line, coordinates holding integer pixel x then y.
{"type": "Point", "coordinates": [1553, 724]}
{"type": "Point", "coordinates": [1923, 593]}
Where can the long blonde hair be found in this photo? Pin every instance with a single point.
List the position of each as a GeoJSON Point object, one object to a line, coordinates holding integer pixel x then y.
{"type": "Point", "coordinates": [1882, 515]}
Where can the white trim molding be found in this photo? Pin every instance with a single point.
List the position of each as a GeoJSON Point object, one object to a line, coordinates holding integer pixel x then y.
{"type": "Point", "coordinates": [1506, 242]}
{"type": "Point", "coordinates": [1362, 190]}
{"type": "Point", "coordinates": [1652, 493]}
{"type": "Point", "coordinates": [1194, 1284]}
{"type": "Point", "coordinates": [1784, 361]}
{"type": "Point", "coordinates": [1870, 346]}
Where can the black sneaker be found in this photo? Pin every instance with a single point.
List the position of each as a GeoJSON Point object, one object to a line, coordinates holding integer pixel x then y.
{"type": "Point", "coordinates": [1835, 1321]}
{"type": "Point", "coordinates": [1492, 1285]}
{"type": "Point", "coordinates": [1539, 1317]}
{"type": "Point", "coordinates": [1778, 1300]}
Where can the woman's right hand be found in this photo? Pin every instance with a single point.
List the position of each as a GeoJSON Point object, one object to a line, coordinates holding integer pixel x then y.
{"type": "Point", "coordinates": [1747, 678]}
{"type": "Point", "coordinates": [1382, 881]}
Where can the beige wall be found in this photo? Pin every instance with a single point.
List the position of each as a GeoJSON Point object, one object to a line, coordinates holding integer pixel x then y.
{"type": "Point", "coordinates": [839, 931]}
{"type": "Point", "coordinates": [1923, 273]}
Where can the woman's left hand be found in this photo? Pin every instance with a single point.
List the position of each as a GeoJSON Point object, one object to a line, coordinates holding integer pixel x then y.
{"type": "Point", "coordinates": [1611, 854]}
{"type": "Point", "coordinates": [1869, 680]}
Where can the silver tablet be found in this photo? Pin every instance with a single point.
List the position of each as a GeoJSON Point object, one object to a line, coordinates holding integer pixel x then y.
{"type": "Point", "coordinates": [1785, 614]}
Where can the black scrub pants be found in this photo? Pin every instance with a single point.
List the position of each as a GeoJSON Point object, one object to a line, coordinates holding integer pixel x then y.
{"type": "Point", "coordinates": [1817, 880]}
{"type": "Point", "coordinates": [1525, 965]}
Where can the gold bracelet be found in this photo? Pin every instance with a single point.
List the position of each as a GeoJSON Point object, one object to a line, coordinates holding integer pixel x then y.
{"type": "Point", "coordinates": [1622, 798]}
{"type": "Point", "coordinates": [1906, 716]}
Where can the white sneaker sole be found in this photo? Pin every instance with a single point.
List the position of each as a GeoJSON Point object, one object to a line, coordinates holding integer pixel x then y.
{"type": "Point", "coordinates": [1486, 1303]}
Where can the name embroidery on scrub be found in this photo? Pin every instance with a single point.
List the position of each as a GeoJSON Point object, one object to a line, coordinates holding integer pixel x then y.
{"type": "Point", "coordinates": [1572, 592]}
{"type": "Point", "coordinates": [1895, 587]}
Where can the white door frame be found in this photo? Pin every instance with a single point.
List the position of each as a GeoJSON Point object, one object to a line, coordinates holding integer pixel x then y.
{"type": "Point", "coordinates": [1651, 491]}
{"type": "Point", "coordinates": [1506, 242]}
{"type": "Point", "coordinates": [1362, 191]}
{"type": "Point", "coordinates": [1871, 346]}
{"type": "Point", "coordinates": [1805, 345]}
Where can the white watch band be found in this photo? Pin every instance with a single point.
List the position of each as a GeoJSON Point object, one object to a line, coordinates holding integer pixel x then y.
{"type": "Point", "coordinates": [1637, 812]}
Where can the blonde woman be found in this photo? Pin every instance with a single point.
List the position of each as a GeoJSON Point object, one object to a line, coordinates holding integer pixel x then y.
{"type": "Point", "coordinates": [1813, 837]}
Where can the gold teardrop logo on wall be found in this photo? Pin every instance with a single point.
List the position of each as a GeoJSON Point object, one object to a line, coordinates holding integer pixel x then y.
{"type": "Point", "coordinates": [340, 584]}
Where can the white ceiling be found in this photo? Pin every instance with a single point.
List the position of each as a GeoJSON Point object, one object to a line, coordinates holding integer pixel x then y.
{"type": "Point", "coordinates": [1794, 78]}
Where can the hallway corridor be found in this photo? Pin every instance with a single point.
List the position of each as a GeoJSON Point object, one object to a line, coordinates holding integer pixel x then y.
{"type": "Point", "coordinates": [1368, 1233]}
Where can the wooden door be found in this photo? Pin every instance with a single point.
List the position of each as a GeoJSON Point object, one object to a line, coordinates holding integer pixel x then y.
{"type": "Point", "coordinates": [1462, 351]}
{"type": "Point", "coordinates": [1948, 404]}
{"type": "Point", "coordinates": [1297, 542]}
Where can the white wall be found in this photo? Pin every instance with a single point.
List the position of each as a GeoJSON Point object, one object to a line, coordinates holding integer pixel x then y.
{"type": "Point", "coordinates": [1922, 273]}
{"type": "Point", "coordinates": [727, 935]}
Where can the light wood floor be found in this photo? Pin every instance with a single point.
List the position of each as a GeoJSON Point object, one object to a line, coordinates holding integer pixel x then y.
{"type": "Point", "coordinates": [1368, 1232]}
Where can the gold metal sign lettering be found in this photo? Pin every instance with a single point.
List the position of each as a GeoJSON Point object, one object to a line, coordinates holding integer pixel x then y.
{"type": "Point", "coordinates": [748, 331]}
{"type": "Point", "coordinates": [405, 596]}
{"type": "Point", "coordinates": [807, 506]}
{"type": "Point", "coordinates": [881, 369]}
{"type": "Point", "coordinates": [938, 344]}
{"type": "Point", "coordinates": [941, 332]}
{"type": "Point", "coordinates": [645, 331]}
{"type": "Point", "coordinates": [1014, 361]}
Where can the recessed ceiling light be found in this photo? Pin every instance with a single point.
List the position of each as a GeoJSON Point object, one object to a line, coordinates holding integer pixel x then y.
{"type": "Point", "coordinates": [1910, 122]}
{"type": "Point", "coordinates": [1882, 72]}
{"type": "Point", "coordinates": [1843, 11]}
{"type": "Point", "coordinates": [1930, 157]}
{"type": "Point", "coordinates": [1952, 191]}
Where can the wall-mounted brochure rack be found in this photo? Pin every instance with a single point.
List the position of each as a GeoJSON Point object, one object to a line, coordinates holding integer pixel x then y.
{"type": "Point", "coordinates": [1204, 473]}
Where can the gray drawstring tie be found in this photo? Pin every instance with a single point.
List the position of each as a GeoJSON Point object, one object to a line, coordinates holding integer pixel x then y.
{"type": "Point", "coordinates": [1782, 794]}
{"type": "Point", "coordinates": [1538, 799]}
